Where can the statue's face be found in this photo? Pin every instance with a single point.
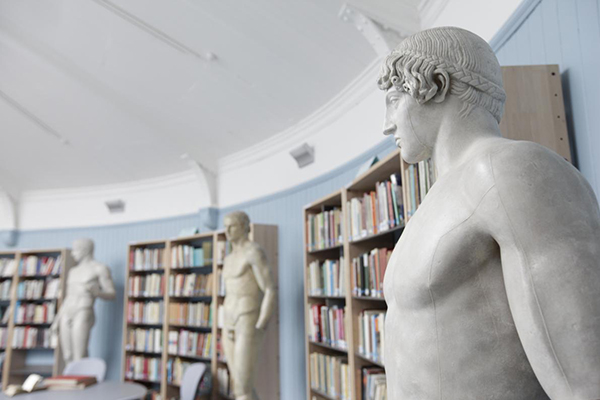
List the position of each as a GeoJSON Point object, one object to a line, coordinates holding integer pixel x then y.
{"type": "Point", "coordinates": [234, 229]}
{"type": "Point", "coordinates": [81, 249]}
{"type": "Point", "coordinates": [411, 124]}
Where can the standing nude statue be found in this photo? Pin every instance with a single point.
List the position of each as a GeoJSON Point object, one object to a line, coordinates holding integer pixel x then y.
{"type": "Point", "coordinates": [493, 289]}
{"type": "Point", "coordinates": [86, 281]}
{"type": "Point", "coordinates": [248, 305]}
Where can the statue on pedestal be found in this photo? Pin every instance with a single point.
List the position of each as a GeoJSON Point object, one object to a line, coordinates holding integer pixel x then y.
{"type": "Point", "coordinates": [249, 303]}
{"type": "Point", "coordinates": [85, 282]}
{"type": "Point", "coordinates": [493, 289]}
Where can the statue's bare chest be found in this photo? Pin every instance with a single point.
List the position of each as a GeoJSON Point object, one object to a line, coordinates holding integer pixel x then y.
{"type": "Point", "coordinates": [235, 265]}
{"type": "Point", "coordinates": [82, 275]}
{"type": "Point", "coordinates": [442, 247]}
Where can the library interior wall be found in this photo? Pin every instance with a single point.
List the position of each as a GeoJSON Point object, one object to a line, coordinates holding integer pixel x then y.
{"type": "Point", "coordinates": [535, 36]}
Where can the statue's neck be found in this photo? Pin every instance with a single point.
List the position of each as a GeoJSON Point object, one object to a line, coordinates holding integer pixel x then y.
{"type": "Point", "coordinates": [85, 260]}
{"type": "Point", "coordinates": [238, 244]}
{"type": "Point", "coordinates": [459, 138]}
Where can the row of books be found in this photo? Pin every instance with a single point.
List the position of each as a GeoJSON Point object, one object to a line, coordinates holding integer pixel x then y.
{"type": "Point", "coordinates": [146, 259]}
{"type": "Point", "coordinates": [326, 278]}
{"type": "Point", "coordinates": [189, 256]}
{"type": "Point", "coordinates": [38, 289]}
{"type": "Point", "coordinates": [324, 230]}
{"type": "Point", "coordinates": [189, 343]}
{"type": "Point", "coordinates": [190, 314]}
{"type": "Point", "coordinates": [224, 382]}
{"type": "Point", "coordinates": [3, 338]}
{"type": "Point", "coordinates": [143, 368]}
{"type": "Point", "coordinates": [330, 375]}
{"type": "Point", "coordinates": [7, 267]}
{"type": "Point", "coordinates": [419, 177]}
{"type": "Point", "coordinates": [373, 384]}
{"type": "Point", "coordinates": [368, 271]}
{"type": "Point", "coordinates": [145, 312]}
{"type": "Point", "coordinates": [147, 286]}
{"type": "Point", "coordinates": [190, 285]}
{"type": "Point", "coordinates": [378, 210]}
{"type": "Point", "coordinates": [5, 287]}
{"type": "Point", "coordinates": [28, 337]}
{"type": "Point", "coordinates": [35, 266]}
{"type": "Point", "coordinates": [370, 334]}
{"type": "Point", "coordinates": [35, 313]}
{"type": "Point", "coordinates": [223, 249]}
{"type": "Point", "coordinates": [144, 340]}
{"type": "Point", "coordinates": [327, 325]}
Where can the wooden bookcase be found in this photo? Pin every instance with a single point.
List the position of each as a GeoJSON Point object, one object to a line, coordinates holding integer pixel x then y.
{"type": "Point", "coordinates": [150, 262]}
{"type": "Point", "coordinates": [16, 364]}
{"type": "Point", "coordinates": [349, 248]}
{"type": "Point", "coordinates": [268, 376]}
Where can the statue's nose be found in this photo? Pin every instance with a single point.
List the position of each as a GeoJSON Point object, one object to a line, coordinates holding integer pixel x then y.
{"type": "Point", "coordinates": [389, 130]}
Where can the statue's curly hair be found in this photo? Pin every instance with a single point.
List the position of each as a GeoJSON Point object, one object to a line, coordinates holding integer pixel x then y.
{"type": "Point", "coordinates": [469, 62]}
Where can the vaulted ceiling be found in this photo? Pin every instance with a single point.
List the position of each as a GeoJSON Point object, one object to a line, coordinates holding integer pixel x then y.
{"type": "Point", "coordinates": [96, 92]}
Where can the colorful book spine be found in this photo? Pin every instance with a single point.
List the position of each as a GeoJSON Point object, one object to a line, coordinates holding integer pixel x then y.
{"type": "Point", "coordinates": [368, 272]}
{"type": "Point", "coordinates": [190, 285]}
{"type": "Point", "coordinates": [330, 375]}
{"type": "Point", "coordinates": [327, 325]}
{"type": "Point", "coordinates": [146, 259]}
{"type": "Point", "coordinates": [145, 312]}
{"type": "Point", "coordinates": [324, 229]}
{"type": "Point", "coordinates": [143, 368]}
{"type": "Point", "coordinates": [146, 286]}
{"type": "Point", "coordinates": [371, 340]}
{"type": "Point", "coordinates": [326, 278]}
{"type": "Point", "coordinates": [144, 340]}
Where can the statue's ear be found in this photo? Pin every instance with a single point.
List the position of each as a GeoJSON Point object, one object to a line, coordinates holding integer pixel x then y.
{"type": "Point", "coordinates": [442, 79]}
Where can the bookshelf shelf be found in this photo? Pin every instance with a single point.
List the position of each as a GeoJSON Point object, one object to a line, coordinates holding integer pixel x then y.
{"type": "Point", "coordinates": [326, 250]}
{"type": "Point", "coordinates": [322, 394]}
{"type": "Point", "coordinates": [194, 258]}
{"type": "Point", "coordinates": [192, 358]}
{"type": "Point", "coordinates": [47, 267]}
{"type": "Point", "coordinates": [382, 234]}
{"type": "Point", "coordinates": [328, 347]}
{"type": "Point", "coordinates": [369, 360]}
{"type": "Point", "coordinates": [367, 298]}
{"type": "Point", "coordinates": [320, 297]}
{"type": "Point", "coordinates": [146, 271]}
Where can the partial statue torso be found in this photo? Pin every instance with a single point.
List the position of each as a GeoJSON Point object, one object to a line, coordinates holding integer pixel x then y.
{"type": "Point", "coordinates": [244, 295]}
{"type": "Point", "coordinates": [454, 335]}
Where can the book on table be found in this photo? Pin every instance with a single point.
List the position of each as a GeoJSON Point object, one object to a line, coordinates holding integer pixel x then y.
{"type": "Point", "coordinates": [69, 382]}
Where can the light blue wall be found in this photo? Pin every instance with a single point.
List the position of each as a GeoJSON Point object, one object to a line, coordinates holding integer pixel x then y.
{"type": "Point", "coordinates": [283, 209]}
{"type": "Point", "coordinates": [564, 32]}
{"type": "Point", "coordinates": [567, 33]}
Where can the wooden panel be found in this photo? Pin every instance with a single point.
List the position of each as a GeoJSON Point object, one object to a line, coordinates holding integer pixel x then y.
{"type": "Point", "coordinates": [534, 107]}
{"type": "Point", "coordinates": [267, 376]}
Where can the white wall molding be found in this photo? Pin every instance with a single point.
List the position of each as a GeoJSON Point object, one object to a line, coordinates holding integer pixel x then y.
{"type": "Point", "coordinates": [352, 94]}
{"type": "Point", "coordinates": [167, 196]}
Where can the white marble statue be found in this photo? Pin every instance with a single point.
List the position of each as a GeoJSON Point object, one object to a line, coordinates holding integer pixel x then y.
{"type": "Point", "coordinates": [85, 282]}
{"type": "Point", "coordinates": [248, 305]}
{"type": "Point", "coordinates": [493, 289]}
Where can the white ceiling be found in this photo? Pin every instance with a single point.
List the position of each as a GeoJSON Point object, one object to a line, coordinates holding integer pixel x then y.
{"type": "Point", "coordinates": [96, 92]}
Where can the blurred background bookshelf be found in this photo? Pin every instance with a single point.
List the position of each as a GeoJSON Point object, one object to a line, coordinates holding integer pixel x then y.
{"type": "Point", "coordinates": [173, 296]}
{"type": "Point", "coordinates": [33, 284]}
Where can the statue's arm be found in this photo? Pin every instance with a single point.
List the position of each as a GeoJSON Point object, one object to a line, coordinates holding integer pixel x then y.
{"type": "Point", "coordinates": [106, 289]}
{"type": "Point", "coordinates": [264, 278]}
{"type": "Point", "coordinates": [546, 221]}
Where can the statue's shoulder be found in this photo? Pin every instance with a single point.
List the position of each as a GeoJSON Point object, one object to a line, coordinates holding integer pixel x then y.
{"type": "Point", "coordinates": [101, 268]}
{"type": "Point", "coordinates": [523, 153]}
{"type": "Point", "coordinates": [254, 250]}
